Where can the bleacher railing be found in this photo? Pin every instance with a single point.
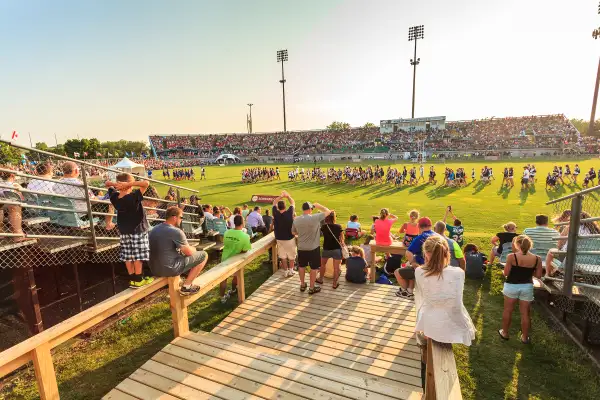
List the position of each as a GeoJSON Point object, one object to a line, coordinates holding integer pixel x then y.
{"type": "Point", "coordinates": [58, 218]}
{"type": "Point", "coordinates": [581, 259]}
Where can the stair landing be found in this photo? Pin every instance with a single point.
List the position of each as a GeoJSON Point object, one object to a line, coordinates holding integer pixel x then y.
{"type": "Point", "coordinates": [354, 342]}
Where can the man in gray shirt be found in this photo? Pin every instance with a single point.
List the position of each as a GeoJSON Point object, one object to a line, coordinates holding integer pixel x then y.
{"type": "Point", "coordinates": [171, 255]}
{"type": "Point", "coordinates": [308, 229]}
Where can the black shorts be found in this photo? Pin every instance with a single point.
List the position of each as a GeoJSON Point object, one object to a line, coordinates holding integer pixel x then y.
{"type": "Point", "coordinates": [407, 273]}
{"type": "Point", "coordinates": [310, 258]}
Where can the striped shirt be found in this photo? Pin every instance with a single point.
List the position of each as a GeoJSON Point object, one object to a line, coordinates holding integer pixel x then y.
{"type": "Point", "coordinates": [542, 237]}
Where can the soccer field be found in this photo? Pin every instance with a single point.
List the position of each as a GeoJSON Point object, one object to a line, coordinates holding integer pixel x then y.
{"type": "Point", "coordinates": [482, 208]}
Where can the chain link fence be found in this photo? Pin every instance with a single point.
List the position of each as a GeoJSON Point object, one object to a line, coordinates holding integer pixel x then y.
{"type": "Point", "coordinates": [56, 211]}
{"type": "Point", "coordinates": [578, 260]}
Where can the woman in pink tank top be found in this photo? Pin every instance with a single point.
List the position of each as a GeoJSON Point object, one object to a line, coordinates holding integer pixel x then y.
{"type": "Point", "coordinates": [383, 226]}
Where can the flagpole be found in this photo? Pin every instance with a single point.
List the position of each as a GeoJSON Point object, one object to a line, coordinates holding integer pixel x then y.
{"type": "Point", "coordinates": [55, 139]}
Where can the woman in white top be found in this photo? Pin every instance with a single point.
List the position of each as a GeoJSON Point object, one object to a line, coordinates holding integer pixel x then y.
{"type": "Point", "coordinates": [441, 314]}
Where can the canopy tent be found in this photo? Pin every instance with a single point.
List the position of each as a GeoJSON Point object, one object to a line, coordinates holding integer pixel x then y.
{"type": "Point", "coordinates": [227, 158]}
{"type": "Point", "coordinates": [126, 165]}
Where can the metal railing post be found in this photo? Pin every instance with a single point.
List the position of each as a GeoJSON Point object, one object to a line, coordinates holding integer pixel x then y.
{"type": "Point", "coordinates": [572, 240]}
{"type": "Point", "coordinates": [179, 205]}
{"type": "Point", "coordinates": [88, 203]}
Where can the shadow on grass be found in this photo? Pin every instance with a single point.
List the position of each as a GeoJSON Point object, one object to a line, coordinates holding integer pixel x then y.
{"type": "Point", "coordinates": [492, 368]}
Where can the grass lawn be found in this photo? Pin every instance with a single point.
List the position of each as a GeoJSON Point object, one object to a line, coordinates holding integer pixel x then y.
{"type": "Point", "coordinates": [550, 368]}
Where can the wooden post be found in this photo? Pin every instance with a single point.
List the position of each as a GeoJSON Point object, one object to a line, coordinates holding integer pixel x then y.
{"type": "Point", "coordinates": [179, 312]}
{"type": "Point", "coordinates": [44, 372]}
{"type": "Point", "coordinates": [37, 324]}
{"type": "Point", "coordinates": [275, 257]}
{"type": "Point", "coordinates": [429, 379]}
{"type": "Point", "coordinates": [372, 266]}
{"type": "Point", "coordinates": [78, 285]}
{"type": "Point", "coordinates": [241, 288]}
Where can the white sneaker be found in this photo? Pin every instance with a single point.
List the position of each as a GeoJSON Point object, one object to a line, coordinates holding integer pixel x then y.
{"type": "Point", "coordinates": [291, 273]}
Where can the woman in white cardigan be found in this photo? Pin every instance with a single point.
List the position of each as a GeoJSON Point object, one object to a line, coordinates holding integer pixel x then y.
{"type": "Point", "coordinates": [441, 314]}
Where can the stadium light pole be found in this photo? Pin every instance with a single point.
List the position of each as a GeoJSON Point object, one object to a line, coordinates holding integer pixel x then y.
{"type": "Point", "coordinates": [595, 35]}
{"type": "Point", "coordinates": [250, 120]}
{"type": "Point", "coordinates": [282, 56]}
{"type": "Point", "coordinates": [414, 34]}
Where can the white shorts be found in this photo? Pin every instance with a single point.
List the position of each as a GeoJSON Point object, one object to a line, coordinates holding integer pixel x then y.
{"type": "Point", "coordinates": [286, 249]}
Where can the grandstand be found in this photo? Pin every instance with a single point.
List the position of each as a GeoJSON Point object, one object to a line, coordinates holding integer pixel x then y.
{"type": "Point", "coordinates": [57, 226]}
{"type": "Point", "coordinates": [492, 135]}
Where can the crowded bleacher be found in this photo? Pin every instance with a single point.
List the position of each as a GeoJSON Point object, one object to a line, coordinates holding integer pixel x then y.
{"type": "Point", "coordinates": [492, 134]}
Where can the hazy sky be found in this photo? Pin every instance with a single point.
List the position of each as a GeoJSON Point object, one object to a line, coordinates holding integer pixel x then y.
{"type": "Point", "coordinates": [129, 68]}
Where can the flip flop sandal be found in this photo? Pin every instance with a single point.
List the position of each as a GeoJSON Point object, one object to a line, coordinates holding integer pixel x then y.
{"type": "Point", "coordinates": [314, 290]}
{"type": "Point", "coordinates": [500, 332]}
{"type": "Point", "coordinates": [526, 341]}
{"type": "Point", "coordinates": [320, 282]}
{"type": "Point", "coordinates": [303, 287]}
{"type": "Point", "coordinates": [337, 284]}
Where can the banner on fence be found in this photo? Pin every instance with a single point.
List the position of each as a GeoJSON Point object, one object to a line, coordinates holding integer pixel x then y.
{"type": "Point", "coordinates": [262, 198]}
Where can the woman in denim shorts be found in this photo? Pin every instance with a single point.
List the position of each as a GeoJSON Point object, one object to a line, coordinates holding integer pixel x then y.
{"type": "Point", "coordinates": [519, 270]}
{"type": "Point", "coordinates": [333, 238]}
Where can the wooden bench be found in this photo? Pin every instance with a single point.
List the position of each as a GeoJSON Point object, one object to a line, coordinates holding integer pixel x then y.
{"type": "Point", "coordinates": [394, 248]}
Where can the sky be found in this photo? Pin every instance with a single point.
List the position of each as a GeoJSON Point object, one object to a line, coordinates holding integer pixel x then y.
{"type": "Point", "coordinates": [130, 68]}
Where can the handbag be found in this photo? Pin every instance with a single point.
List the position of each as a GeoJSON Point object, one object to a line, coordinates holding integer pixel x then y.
{"type": "Point", "coordinates": [345, 252]}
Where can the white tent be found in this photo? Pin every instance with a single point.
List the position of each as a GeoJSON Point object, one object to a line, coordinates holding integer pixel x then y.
{"type": "Point", "coordinates": [227, 158]}
{"type": "Point", "coordinates": [126, 165]}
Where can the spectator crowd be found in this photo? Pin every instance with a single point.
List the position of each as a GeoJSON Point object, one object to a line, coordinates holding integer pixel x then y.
{"type": "Point", "coordinates": [492, 134]}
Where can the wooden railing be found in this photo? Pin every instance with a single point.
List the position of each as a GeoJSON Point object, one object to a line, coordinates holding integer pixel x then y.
{"type": "Point", "coordinates": [441, 375]}
{"type": "Point", "coordinates": [441, 379]}
{"type": "Point", "coordinates": [38, 348]}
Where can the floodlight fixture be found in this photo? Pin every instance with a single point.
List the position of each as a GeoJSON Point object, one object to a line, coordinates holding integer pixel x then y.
{"type": "Point", "coordinates": [414, 34]}
{"type": "Point", "coordinates": [282, 55]}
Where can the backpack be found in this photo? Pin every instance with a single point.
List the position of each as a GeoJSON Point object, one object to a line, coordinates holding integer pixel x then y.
{"type": "Point", "coordinates": [383, 280]}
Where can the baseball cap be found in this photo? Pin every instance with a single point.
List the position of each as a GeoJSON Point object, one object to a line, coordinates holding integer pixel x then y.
{"type": "Point", "coordinates": [424, 222]}
{"type": "Point", "coordinates": [307, 206]}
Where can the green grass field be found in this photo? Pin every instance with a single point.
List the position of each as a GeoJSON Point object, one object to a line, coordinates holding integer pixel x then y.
{"type": "Point", "coordinates": [552, 367]}
{"type": "Point", "coordinates": [482, 209]}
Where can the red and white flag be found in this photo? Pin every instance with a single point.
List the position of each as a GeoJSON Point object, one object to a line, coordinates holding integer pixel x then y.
{"type": "Point", "coordinates": [76, 154]}
{"type": "Point", "coordinates": [98, 154]}
{"type": "Point", "coordinates": [85, 153]}
{"type": "Point", "coordinates": [14, 135]}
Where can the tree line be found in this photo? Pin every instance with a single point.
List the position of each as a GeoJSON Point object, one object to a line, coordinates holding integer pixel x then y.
{"type": "Point", "coordinates": [77, 148]}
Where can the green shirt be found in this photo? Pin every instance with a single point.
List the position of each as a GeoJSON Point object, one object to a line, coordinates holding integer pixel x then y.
{"type": "Point", "coordinates": [234, 242]}
{"type": "Point", "coordinates": [456, 233]}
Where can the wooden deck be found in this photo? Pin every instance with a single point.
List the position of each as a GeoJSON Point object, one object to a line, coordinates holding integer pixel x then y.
{"type": "Point", "coordinates": [355, 342]}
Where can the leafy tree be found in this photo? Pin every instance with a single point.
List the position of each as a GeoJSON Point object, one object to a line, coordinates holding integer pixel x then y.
{"type": "Point", "coordinates": [42, 146]}
{"type": "Point", "coordinates": [338, 126]}
{"type": "Point", "coordinates": [583, 126]}
{"type": "Point", "coordinates": [9, 154]}
{"type": "Point", "coordinates": [369, 125]}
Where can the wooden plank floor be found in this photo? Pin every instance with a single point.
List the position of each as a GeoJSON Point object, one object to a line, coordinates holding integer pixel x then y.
{"type": "Point", "coordinates": [355, 342]}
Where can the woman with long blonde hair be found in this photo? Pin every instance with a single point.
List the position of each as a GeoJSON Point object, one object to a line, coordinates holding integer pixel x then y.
{"type": "Point", "coordinates": [441, 314]}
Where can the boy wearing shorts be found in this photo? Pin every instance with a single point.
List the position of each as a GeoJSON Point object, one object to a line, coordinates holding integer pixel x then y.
{"type": "Point", "coordinates": [133, 226]}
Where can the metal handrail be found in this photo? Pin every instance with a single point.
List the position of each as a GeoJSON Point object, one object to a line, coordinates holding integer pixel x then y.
{"type": "Point", "coordinates": [570, 196]}
{"type": "Point", "coordinates": [88, 164]}
{"type": "Point", "coordinates": [24, 175]}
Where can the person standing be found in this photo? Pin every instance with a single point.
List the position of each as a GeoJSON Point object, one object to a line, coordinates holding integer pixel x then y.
{"type": "Point", "coordinates": [307, 227]}
{"type": "Point", "coordinates": [283, 220]}
{"type": "Point", "coordinates": [133, 226]}
{"type": "Point", "coordinates": [521, 266]}
{"type": "Point", "coordinates": [441, 314]}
